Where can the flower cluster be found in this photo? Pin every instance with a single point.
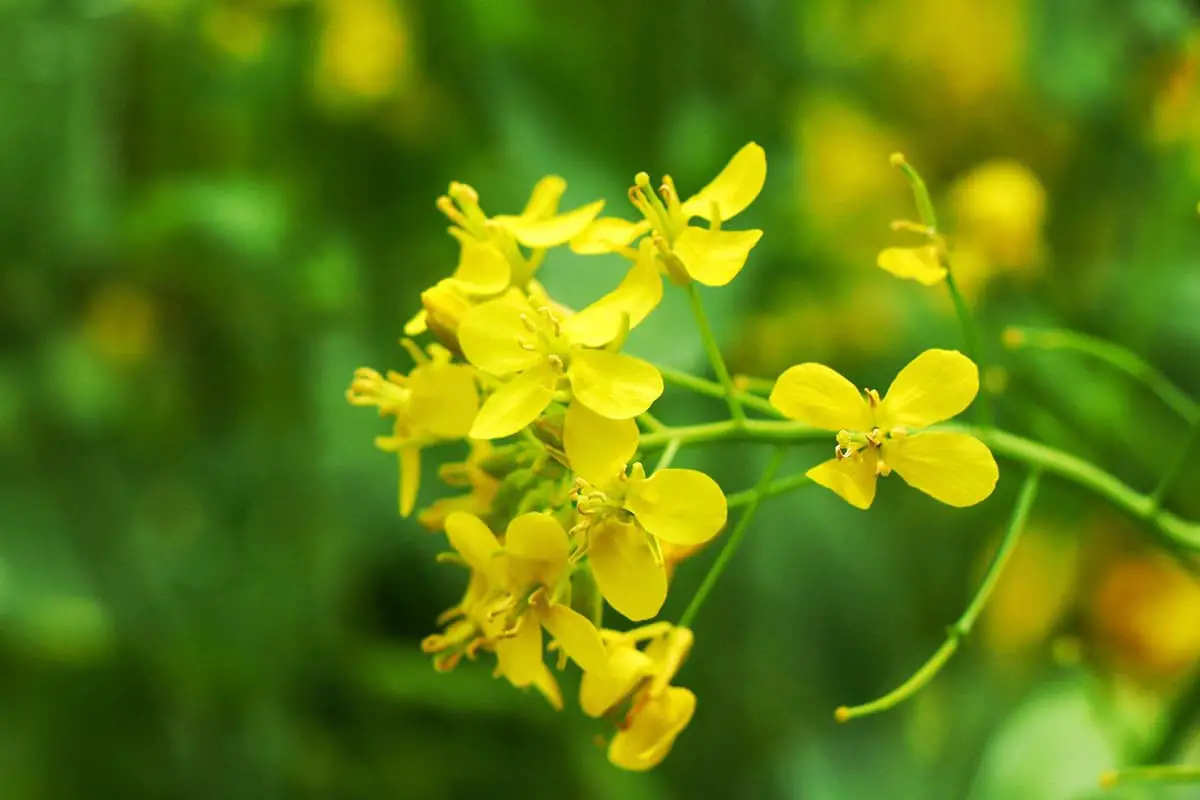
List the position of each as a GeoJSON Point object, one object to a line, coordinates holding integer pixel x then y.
{"type": "Point", "coordinates": [559, 517]}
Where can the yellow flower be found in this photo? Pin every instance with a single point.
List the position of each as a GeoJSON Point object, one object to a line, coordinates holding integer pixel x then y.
{"type": "Point", "coordinates": [709, 255]}
{"type": "Point", "coordinates": [874, 434]}
{"type": "Point", "coordinates": [542, 351]}
{"type": "Point", "coordinates": [626, 514]}
{"type": "Point", "coordinates": [490, 258]}
{"type": "Point", "coordinates": [921, 264]}
{"type": "Point", "coordinates": [469, 474]}
{"type": "Point", "coordinates": [525, 580]}
{"type": "Point", "coordinates": [436, 401]}
{"type": "Point", "coordinates": [657, 711]}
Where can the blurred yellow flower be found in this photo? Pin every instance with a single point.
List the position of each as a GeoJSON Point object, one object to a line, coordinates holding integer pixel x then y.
{"type": "Point", "coordinates": [536, 349]}
{"type": "Point", "coordinates": [873, 434]}
{"type": "Point", "coordinates": [436, 401]}
{"type": "Point", "coordinates": [710, 255]}
{"type": "Point", "coordinates": [999, 209]}
{"type": "Point", "coordinates": [658, 712]}
{"type": "Point", "coordinates": [1034, 593]}
{"type": "Point", "coordinates": [239, 32]}
{"type": "Point", "coordinates": [365, 51]}
{"type": "Point", "coordinates": [625, 514]}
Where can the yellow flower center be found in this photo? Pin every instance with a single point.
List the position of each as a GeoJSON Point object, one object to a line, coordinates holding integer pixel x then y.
{"type": "Point", "coordinates": [546, 338]}
{"type": "Point", "coordinates": [390, 395]}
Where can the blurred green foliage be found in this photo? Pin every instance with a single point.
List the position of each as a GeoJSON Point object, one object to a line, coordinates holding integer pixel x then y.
{"type": "Point", "coordinates": [212, 211]}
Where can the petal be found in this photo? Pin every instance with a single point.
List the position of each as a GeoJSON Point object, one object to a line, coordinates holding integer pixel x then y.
{"type": "Point", "coordinates": [955, 468]}
{"type": "Point", "coordinates": [410, 477]}
{"type": "Point", "coordinates": [613, 385]}
{"type": "Point", "coordinates": [516, 404]}
{"type": "Point", "coordinates": [853, 479]}
{"type": "Point", "coordinates": [734, 188]}
{"type": "Point", "coordinates": [476, 543]}
{"type": "Point", "coordinates": [680, 506]}
{"type": "Point", "coordinates": [648, 738]}
{"type": "Point", "coordinates": [820, 396]}
{"type": "Point", "coordinates": [520, 655]}
{"type": "Point", "coordinates": [482, 269]}
{"type": "Point", "coordinates": [551, 231]}
{"type": "Point", "coordinates": [543, 200]}
{"type": "Point", "coordinates": [494, 335]}
{"type": "Point", "coordinates": [918, 264]}
{"type": "Point", "coordinates": [417, 325]}
{"type": "Point", "coordinates": [444, 399]}
{"type": "Point", "coordinates": [637, 295]}
{"type": "Point", "coordinates": [628, 573]}
{"type": "Point", "coordinates": [608, 234]}
{"type": "Point", "coordinates": [599, 692]}
{"type": "Point", "coordinates": [934, 386]}
{"type": "Point", "coordinates": [597, 448]}
{"type": "Point", "coordinates": [714, 258]}
{"type": "Point", "coordinates": [577, 637]}
{"type": "Point", "coordinates": [668, 654]}
{"type": "Point", "coordinates": [538, 550]}
{"type": "Point", "coordinates": [546, 683]}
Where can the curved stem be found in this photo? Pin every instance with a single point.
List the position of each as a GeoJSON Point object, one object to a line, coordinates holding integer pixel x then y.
{"type": "Point", "coordinates": [781, 486]}
{"type": "Point", "coordinates": [731, 394]}
{"type": "Point", "coordinates": [961, 629]}
{"type": "Point", "coordinates": [974, 350]}
{"type": "Point", "coordinates": [690, 382]}
{"type": "Point", "coordinates": [735, 539]}
{"type": "Point", "coordinates": [668, 455]}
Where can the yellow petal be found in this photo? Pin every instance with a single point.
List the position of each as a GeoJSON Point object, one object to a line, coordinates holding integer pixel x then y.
{"type": "Point", "coordinates": [516, 404]}
{"type": "Point", "coordinates": [538, 549]}
{"type": "Point", "coordinates": [680, 506]}
{"type": "Point", "coordinates": [548, 686]}
{"type": "Point", "coordinates": [519, 656]}
{"type": "Point", "coordinates": [629, 575]}
{"type": "Point", "coordinates": [613, 385]}
{"type": "Point", "coordinates": [410, 477]}
{"type": "Point", "coordinates": [648, 738]}
{"type": "Point", "coordinates": [482, 269]}
{"type": "Point", "coordinates": [494, 335]}
{"type": "Point", "coordinates": [444, 399]}
{"type": "Point", "coordinates": [597, 448]}
{"type": "Point", "coordinates": [668, 654]}
{"type": "Point", "coordinates": [600, 692]}
{"type": "Point", "coordinates": [637, 295]}
{"type": "Point", "coordinates": [933, 387]}
{"type": "Point", "coordinates": [551, 231]}
{"type": "Point", "coordinates": [417, 325]}
{"type": "Point", "coordinates": [476, 543]}
{"type": "Point", "coordinates": [734, 188]}
{"type": "Point", "coordinates": [918, 264]}
{"type": "Point", "coordinates": [543, 200]}
{"type": "Point", "coordinates": [714, 258]}
{"type": "Point", "coordinates": [820, 396]}
{"type": "Point", "coordinates": [608, 234]}
{"type": "Point", "coordinates": [955, 468]}
{"type": "Point", "coordinates": [853, 479]}
{"type": "Point", "coordinates": [577, 637]}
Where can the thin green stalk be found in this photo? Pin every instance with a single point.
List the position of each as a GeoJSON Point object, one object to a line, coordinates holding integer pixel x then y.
{"type": "Point", "coordinates": [651, 422]}
{"type": "Point", "coordinates": [781, 486]}
{"type": "Point", "coordinates": [1164, 774]}
{"type": "Point", "coordinates": [732, 543]}
{"type": "Point", "coordinates": [1116, 356]}
{"type": "Point", "coordinates": [750, 430]}
{"type": "Point", "coordinates": [668, 455]}
{"type": "Point", "coordinates": [965, 320]}
{"type": "Point", "coordinates": [711, 389]}
{"type": "Point", "coordinates": [962, 628]}
{"type": "Point", "coordinates": [732, 396]}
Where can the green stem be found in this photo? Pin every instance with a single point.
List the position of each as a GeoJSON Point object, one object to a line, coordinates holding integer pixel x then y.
{"type": "Point", "coordinates": [1116, 356]}
{"type": "Point", "coordinates": [711, 389]}
{"type": "Point", "coordinates": [651, 422]}
{"type": "Point", "coordinates": [714, 354]}
{"type": "Point", "coordinates": [1164, 774]}
{"type": "Point", "coordinates": [735, 539]}
{"type": "Point", "coordinates": [962, 628]}
{"type": "Point", "coordinates": [751, 430]}
{"type": "Point", "coordinates": [668, 455]}
{"type": "Point", "coordinates": [781, 486]}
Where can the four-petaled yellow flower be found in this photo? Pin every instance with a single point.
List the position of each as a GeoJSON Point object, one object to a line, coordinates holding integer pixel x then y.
{"type": "Point", "coordinates": [875, 435]}
{"type": "Point", "coordinates": [543, 353]}
{"type": "Point", "coordinates": [436, 401]}
{"type": "Point", "coordinates": [625, 514]}
{"type": "Point", "coordinates": [688, 252]}
{"type": "Point", "coordinates": [657, 711]}
{"type": "Point", "coordinates": [490, 260]}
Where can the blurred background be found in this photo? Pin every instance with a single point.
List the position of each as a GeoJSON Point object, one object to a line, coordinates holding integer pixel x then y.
{"type": "Point", "coordinates": [212, 211]}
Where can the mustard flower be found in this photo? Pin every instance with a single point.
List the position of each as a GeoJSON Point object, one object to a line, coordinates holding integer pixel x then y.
{"type": "Point", "coordinates": [921, 264]}
{"type": "Point", "coordinates": [542, 353]}
{"type": "Point", "coordinates": [877, 436]}
{"type": "Point", "coordinates": [657, 712]}
{"type": "Point", "coordinates": [688, 252]}
{"type": "Point", "coordinates": [436, 401]}
{"type": "Point", "coordinates": [625, 514]}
